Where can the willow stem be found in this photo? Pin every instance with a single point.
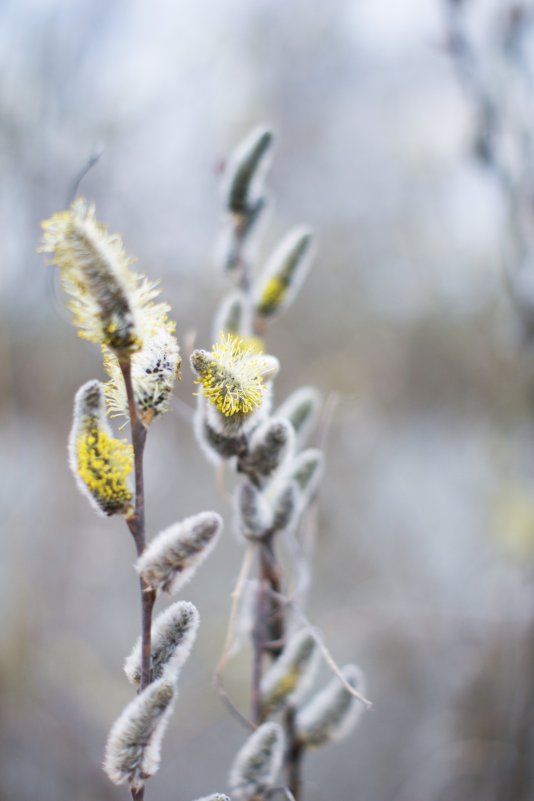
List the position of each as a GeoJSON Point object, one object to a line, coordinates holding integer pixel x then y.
{"type": "Point", "coordinates": [136, 522]}
{"type": "Point", "coordinates": [294, 755]}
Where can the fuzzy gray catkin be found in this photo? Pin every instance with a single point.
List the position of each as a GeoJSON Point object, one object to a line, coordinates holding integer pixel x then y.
{"type": "Point", "coordinates": [134, 742]}
{"type": "Point", "coordinates": [216, 446]}
{"type": "Point", "coordinates": [257, 764]}
{"type": "Point", "coordinates": [246, 170]}
{"type": "Point", "coordinates": [234, 316]}
{"type": "Point", "coordinates": [301, 408]}
{"type": "Point", "coordinates": [332, 712]}
{"type": "Point", "coordinates": [172, 557]}
{"type": "Point", "coordinates": [289, 678]}
{"type": "Point", "coordinates": [269, 445]}
{"type": "Point", "coordinates": [244, 197]}
{"type": "Point", "coordinates": [286, 506]}
{"type": "Point", "coordinates": [307, 470]}
{"type": "Point", "coordinates": [254, 516]}
{"type": "Point", "coordinates": [284, 273]}
{"type": "Point", "coordinates": [173, 634]}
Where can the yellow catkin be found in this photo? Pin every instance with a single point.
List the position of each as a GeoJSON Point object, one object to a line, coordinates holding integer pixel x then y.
{"type": "Point", "coordinates": [104, 464]}
{"type": "Point", "coordinates": [231, 378]}
{"type": "Point", "coordinates": [272, 295]}
{"type": "Point", "coordinates": [110, 304]}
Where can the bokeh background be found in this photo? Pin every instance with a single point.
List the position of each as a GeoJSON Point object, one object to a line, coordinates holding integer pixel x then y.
{"type": "Point", "coordinates": [426, 515]}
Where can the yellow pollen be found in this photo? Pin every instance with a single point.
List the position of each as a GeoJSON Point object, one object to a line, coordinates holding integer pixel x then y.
{"type": "Point", "coordinates": [273, 294]}
{"type": "Point", "coordinates": [232, 376]}
{"type": "Point", "coordinates": [103, 465]}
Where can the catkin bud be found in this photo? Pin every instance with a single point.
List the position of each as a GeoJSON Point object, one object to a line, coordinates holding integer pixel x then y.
{"type": "Point", "coordinates": [286, 507]}
{"type": "Point", "coordinates": [233, 316]}
{"type": "Point", "coordinates": [301, 408]}
{"type": "Point", "coordinates": [284, 273]}
{"type": "Point", "coordinates": [173, 634]}
{"type": "Point", "coordinates": [172, 557]}
{"type": "Point", "coordinates": [100, 464]}
{"type": "Point", "coordinates": [254, 516]}
{"type": "Point", "coordinates": [134, 743]}
{"type": "Point", "coordinates": [289, 678]}
{"type": "Point", "coordinates": [216, 446]}
{"type": "Point", "coordinates": [245, 172]}
{"type": "Point", "coordinates": [333, 712]}
{"type": "Point", "coordinates": [244, 198]}
{"type": "Point", "coordinates": [307, 470]}
{"type": "Point", "coordinates": [269, 445]}
{"type": "Point", "coordinates": [257, 764]}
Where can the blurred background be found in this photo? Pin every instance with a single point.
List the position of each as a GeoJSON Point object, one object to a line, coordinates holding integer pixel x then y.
{"type": "Point", "coordinates": [404, 140]}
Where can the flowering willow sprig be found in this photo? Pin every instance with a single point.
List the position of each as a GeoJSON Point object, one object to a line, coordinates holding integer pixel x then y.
{"type": "Point", "coordinates": [114, 307]}
{"type": "Point", "coordinates": [100, 464]}
{"type": "Point", "coordinates": [301, 409]}
{"type": "Point", "coordinates": [278, 481]}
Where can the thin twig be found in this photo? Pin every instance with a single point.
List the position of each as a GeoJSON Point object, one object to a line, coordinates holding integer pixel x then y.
{"type": "Point", "coordinates": [294, 754]}
{"type": "Point", "coordinates": [230, 638]}
{"type": "Point", "coordinates": [259, 638]}
{"type": "Point", "coordinates": [327, 656]}
{"type": "Point", "coordinates": [90, 163]}
{"type": "Point", "coordinates": [136, 522]}
{"type": "Point", "coordinates": [234, 610]}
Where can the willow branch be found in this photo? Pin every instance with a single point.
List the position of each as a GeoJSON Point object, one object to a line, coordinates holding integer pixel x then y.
{"type": "Point", "coordinates": [136, 522]}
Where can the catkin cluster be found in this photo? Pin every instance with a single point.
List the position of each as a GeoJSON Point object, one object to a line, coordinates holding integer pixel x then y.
{"type": "Point", "coordinates": [278, 475]}
{"type": "Point", "coordinates": [114, 307]}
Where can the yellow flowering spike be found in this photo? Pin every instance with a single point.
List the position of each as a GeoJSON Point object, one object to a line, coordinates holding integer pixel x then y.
{"type": "Point", "coordinates": [284, 273]}
{"type": "Point", "coordinates": [272, 295]}
{"type": "Point", "coordinates": [100, 463]}
{"type": "Point", "coordinates": [154, 369]}
{"type": "Point", "coordinates": [110, 304]}
{"type": "Point", "coordinates": [232, 376]}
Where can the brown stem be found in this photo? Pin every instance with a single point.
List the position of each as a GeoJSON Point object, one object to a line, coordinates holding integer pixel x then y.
{"type": "Point", "coordinates": [259, 638]}
{"type": "Point", "coordinates": [136, 523]}
{"type": "Point", "coordinates": [271, 574]}
{"type": "Point", "coordinates": [294, 755]}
